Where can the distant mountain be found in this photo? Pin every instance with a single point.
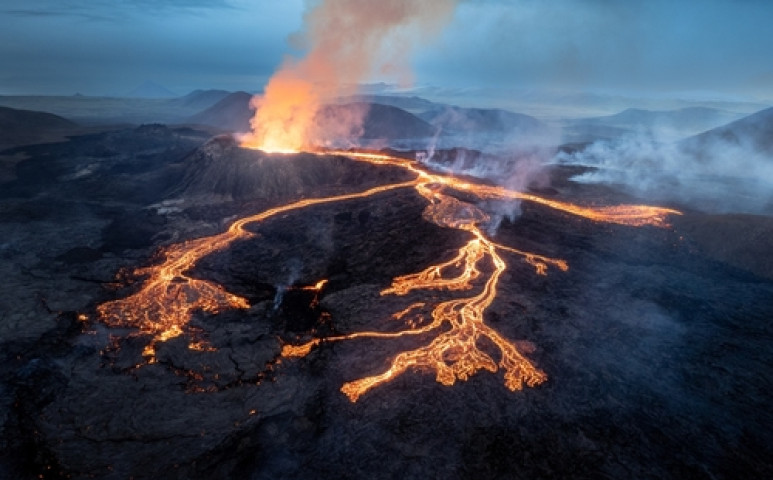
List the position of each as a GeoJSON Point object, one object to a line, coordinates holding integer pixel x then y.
{"type": "Point", "coordinates": [199, 100]}
{"type": "Point", "coordinates": [582, 133]}
{"type": "Point", "coordinates": [148, 89]}
{"type": "Point", "coordinates": [20, 127]}
{"type": "Point", "coordinates": [411, 104]}
{"type": "Point", "coordinates": [379, 122]}
{"type": "Point", "coordinates": [231, 113]}
{"type": "Point", "coordinates": [691, 119]}
{"type": "Point", "coordinates": [480, 120]}
{"type": "Point", "coordinates": [752, 132]}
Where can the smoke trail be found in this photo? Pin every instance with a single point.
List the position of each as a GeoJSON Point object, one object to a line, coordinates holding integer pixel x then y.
{"type": "Point", "coordinates": [293, 269]}
{"type": "Point", "coordinates": [349, 41]}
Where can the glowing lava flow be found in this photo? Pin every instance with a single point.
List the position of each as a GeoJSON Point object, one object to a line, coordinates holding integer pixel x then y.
{"type": "Point", "coordinates": [631, 215]}
{"type": "Point", "coordinates": [168, 298]}
{"type": "Point", "coordinates": [452, 354]}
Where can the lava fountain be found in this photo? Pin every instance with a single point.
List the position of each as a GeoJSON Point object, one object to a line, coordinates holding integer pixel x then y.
{"type": "Point", "coordinates": [350, 40]}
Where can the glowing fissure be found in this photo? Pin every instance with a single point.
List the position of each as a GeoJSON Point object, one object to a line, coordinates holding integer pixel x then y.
{"type": "Point", "coordinates": [168, 297]}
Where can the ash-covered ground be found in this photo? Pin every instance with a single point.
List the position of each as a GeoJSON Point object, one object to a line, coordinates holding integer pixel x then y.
{"type": "Point", "coordinates": [656, 342]}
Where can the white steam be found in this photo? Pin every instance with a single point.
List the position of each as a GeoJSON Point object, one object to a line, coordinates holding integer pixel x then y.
{"type": "Point", "coordinates": [718, 174]}
{"type": "Point", "coordinates": [518, 168]}
{"type": "Point", "coordinates": [293, 271]}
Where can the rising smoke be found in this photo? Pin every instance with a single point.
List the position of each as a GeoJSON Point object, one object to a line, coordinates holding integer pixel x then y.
{"type": "Point", "coordinates": [513, 156]}
{"type": "Point", "coordinates": [348, 42]}
{"type": "Point", "coordinates": [721, 173]}
{"type": "Point", "coordinates": [519, 168]}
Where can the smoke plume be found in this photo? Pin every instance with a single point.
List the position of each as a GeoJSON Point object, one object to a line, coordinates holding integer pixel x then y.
{"type": "Point", "coordinates": [348, 41]}
{"type": "Point", "coordinates": [718, 174]}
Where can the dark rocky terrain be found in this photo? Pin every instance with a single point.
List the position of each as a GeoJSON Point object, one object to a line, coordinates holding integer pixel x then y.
{"type": "Point", "coordinates": [657, 342]}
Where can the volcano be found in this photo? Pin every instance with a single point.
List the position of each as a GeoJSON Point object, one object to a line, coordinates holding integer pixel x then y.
{"type": "Point", "coordinates": [652, 349]}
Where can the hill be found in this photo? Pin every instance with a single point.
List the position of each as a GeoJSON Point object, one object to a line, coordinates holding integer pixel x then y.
{"type": "Point", "coordinates": [379, 121]}
{"type": "Point", "coordinates": [482, 120]}
{"type": "Point", "coordinates": [200, 99]}
{"type": "Point", "coordinates": [21, 127]}
{"type": "Point", "coordinates": [411, 104]}
{"type": "Point", "coordinates": [148, 89]}
{"type": "Point", "coordinates": [684, 121]}
{"type": "Point", "coordinates": [231, 113]}
{"type": "Point", "coordinates": [754, 131]}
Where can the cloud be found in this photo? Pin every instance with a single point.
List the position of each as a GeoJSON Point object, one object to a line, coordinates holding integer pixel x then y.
{"type": "Point", "coordinates": [655, 45]}
{"type": "Point", "coordinates": [100, 47]}
{"type": "Point", "coordinates": [51, 13]}
{"type": "Point", "coordinates": [626, 47]}
{"type": "Point", "coordinates": [104, 10]}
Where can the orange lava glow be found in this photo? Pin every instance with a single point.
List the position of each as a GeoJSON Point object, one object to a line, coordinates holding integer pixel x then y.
{"type": "Point", "coordinates": [168, 297]}
{"type": "Point", "coordinates": [284, 115]}
{"type": "Point", "coordinates": [349, 41]}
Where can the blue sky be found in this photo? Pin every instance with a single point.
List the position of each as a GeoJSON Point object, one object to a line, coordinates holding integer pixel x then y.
{"type": "Point", "coordinates": [716, 48]}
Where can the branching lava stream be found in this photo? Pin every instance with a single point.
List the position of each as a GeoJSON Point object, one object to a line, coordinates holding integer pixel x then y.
{"type": "Point", "coordinates": [168, 297]}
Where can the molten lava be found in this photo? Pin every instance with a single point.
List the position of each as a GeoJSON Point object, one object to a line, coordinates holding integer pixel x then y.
{"type": "Point", "coordinates": [348, 41]}
{"type": "Point", "coordinates": [284, 115]}
{"type": "Point", "coordinates": [168, 297]}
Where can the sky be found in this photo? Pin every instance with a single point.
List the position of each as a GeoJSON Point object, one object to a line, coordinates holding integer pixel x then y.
{"type": "Point", "coordinates": [702, 49]}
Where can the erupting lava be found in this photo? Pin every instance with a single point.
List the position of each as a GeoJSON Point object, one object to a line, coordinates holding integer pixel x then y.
{"type": "Point", "coordinates": [348, 41]}
{"type": "Point", "coordinates": [164, 305]}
